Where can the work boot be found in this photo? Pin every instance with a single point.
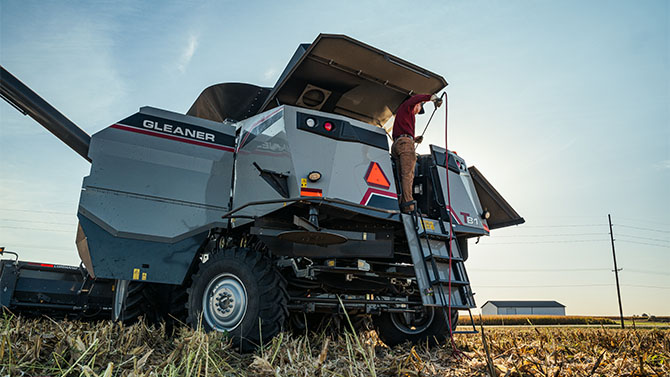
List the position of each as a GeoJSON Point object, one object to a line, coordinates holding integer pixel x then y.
{"type": "Point", "coordinates": [407, 207]}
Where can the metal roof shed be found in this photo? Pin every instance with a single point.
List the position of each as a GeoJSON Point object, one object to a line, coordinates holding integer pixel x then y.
{"type": "Point", "coordinates": [523, 308]}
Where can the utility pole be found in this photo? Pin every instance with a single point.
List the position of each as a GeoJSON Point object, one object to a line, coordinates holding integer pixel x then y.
{"type": "Point", "coordinates": [616, 271]}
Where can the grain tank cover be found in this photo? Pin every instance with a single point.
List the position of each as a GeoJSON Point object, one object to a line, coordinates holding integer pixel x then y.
{"type": "Point", "coordinates": [338, 74]}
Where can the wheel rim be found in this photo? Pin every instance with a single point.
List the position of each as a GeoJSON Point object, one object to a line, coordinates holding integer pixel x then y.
{"type": "Point", "coordinates": [224, 302]}
{"type": "Point", "coordinates": [413, 323]}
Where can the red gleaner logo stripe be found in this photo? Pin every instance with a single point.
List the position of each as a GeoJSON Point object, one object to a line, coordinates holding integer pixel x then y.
{"type": "Point", "coordinates": [171, 137]}
{"type": "Point", "coordinates": [371, 192]}
{"type": "Point", "coordinates": [375, 176]}
{"type": "Point", "coordinates": [310, 192]}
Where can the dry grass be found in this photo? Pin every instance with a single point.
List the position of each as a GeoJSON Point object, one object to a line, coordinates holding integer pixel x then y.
{"type": "Point", "coordinates": [45, 347]}
{"type": "Point", "coordinates": [542, 320]}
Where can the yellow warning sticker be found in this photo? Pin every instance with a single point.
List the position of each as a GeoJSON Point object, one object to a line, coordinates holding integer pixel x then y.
{"type": "Point", "coordinates": [303, 182]}
{"type": "Point", "coordinates": [428, 225]}
{"type": "Point", "coordinates": [144, 276]}
{"type": "Point", "coordinates": [136, 274]}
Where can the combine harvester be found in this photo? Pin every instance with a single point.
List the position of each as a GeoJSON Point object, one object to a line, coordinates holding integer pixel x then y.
{"type": "Point", "coordinates": [267, 206]}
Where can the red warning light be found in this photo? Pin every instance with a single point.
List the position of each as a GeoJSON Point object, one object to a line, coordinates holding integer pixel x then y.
{"type": "Point", "coordinates": [328, 126]}
{"type": "Point", "coordinates": [376, 177]}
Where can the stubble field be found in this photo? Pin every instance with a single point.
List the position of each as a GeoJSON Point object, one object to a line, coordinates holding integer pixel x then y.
{"type": "Point", "coordinates": [43, 347]}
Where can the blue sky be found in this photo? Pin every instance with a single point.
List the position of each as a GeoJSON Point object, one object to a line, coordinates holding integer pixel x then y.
{"type": "Point", "coordinates": [564, 106]}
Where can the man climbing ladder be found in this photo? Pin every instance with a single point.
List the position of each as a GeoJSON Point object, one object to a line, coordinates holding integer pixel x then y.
{"type": "Point", "coordinates": [403, 143]}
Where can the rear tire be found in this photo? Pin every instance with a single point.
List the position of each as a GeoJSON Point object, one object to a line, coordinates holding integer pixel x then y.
{"type": "Point", "coordinates": [238, 292]}
{"type": "Point", "coordinates": [431, 325]}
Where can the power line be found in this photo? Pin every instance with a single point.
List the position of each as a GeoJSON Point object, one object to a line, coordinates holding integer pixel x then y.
{"type": "Point", "coordinates": [37, 222]}
{"type": "Point", "coordinates": [643, 238]}
{"type": "Point", "coordinates": [640, 228]}
{"type": "Point", "coordinates": [633, 270]}
{"type": "Point", "coordinates": [556, 235]}
{"type": "Point", "coordinates": [17, 246]}
{"type": "Point", "coordinates": [562, 226]}
{"type": "Point", "coordinates": [646, 272]}
{"type": "Point", "coordinates": [569, 286]}
{"type": "Point", "coordinates": [646, 243]}
{"type": "Point", "coordinates": [538, 242]}
{"type": "Point", "coordinates": [39, 229]}
{"type": "Point", "coordinates": [645, 286]}
{"type": "Point", "coordinates": [543, 286]}
{"type": "Point", "coordinates": [539, 269]}
{"type": "Point", "coordinates": [36, 211]}
{"type": "Point", "coordinates": [643, 221]}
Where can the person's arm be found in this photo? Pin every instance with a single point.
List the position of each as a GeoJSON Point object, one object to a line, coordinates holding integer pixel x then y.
{"type": "Point", "coordinates": [417, 98]}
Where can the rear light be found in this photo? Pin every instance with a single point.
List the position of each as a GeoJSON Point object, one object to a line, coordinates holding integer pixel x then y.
{"type": "Point", "coordinates": [314, 176]}
{"type": "Point", "coordinates": [328, 126]}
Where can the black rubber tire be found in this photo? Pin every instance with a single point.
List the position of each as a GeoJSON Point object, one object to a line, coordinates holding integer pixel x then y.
{"type": "Point", "coordinates": [266, 296]}
{"type": "Point", "coordinates": [436, 331]}
{"type": "Point", "coordinates": [141, 301]}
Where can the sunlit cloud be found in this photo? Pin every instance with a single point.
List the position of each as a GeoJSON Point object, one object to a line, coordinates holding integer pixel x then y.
{"type": "Point", "coordinates": [188, 52]}
{"type": "Point", "coordinates": [270, 74]}
{"type": "Point", "coordinates": [662, 165]}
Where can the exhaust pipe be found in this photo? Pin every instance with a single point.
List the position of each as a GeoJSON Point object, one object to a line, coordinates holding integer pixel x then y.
{"type": "Point", "coordinates": [28, 102]}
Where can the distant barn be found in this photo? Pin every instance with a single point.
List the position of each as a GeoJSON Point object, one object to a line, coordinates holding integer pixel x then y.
{"type": "Point", "coordinates": [523, 308]}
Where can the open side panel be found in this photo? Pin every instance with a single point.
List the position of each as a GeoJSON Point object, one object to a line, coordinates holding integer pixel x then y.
{"type": "Point", "coordinates": [340, 75]}
{"type": "Point", "coordinates": [502, 213]}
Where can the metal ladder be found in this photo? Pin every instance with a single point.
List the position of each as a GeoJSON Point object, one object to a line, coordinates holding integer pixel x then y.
{"type": "Point", "coordinates": [430, 251]}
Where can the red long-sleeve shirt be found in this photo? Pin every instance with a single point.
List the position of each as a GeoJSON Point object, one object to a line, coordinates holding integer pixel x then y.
{"type": "Point", "coordinates": [404, 117]}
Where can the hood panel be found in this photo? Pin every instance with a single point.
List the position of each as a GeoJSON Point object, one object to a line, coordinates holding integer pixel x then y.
{"type": "Point", "coordinates": [351, 79]}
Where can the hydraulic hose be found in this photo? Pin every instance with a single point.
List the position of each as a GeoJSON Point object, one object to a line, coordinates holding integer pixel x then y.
{"type": "Point", "coordinates": [449, 210]}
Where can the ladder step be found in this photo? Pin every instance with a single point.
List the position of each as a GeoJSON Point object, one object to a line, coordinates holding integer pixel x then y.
{"type": "Point", "coordinates": [434, 236]}
{"type": "Point", "coordinates": [458, 283]}
{"type": "Point", "coordinates": [440, 248]}
{"type": "Point", "coordinates": [442, 258]}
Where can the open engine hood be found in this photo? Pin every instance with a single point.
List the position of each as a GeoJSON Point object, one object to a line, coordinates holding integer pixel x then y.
{"type": "Point", "coordinates": [341, 75]}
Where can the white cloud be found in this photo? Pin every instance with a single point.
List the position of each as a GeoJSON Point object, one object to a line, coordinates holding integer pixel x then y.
{"type": "Point", "coordinates": [662, 165]}
{"type": "Point", "coordinates": [270, 75]}
{"type": "Point", "coordinates": [188, 52]}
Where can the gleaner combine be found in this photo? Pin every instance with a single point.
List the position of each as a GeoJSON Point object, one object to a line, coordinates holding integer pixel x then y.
{"type": "Point", "coordinates": [267, 206]}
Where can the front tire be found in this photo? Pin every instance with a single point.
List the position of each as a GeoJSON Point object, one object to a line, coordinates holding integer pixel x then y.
{"type": "Point", "coordinates": [430, 325]}
{"type": "Point", "coordinates": [238, 292]}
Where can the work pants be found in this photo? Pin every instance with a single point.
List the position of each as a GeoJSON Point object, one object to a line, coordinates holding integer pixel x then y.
{"type": "Point", "coordinates": [403, 152]}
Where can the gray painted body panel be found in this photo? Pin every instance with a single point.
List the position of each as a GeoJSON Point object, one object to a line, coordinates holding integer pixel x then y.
{"type": "Point", "coordinates": [467, 209]}
{"type": "Point", "coordinates": [281, 147]}
{"type": "Point", "coordinates": [157, 186]}
{"type": "Point", "coordinates": [132, 259]}
{"type": "Point", "coordinates": [159, 182]}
